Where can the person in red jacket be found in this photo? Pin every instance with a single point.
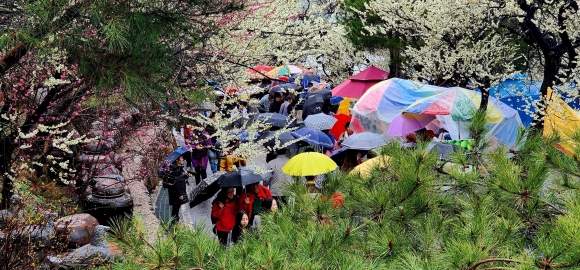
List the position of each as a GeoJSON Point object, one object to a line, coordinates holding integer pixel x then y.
{"type": "Point", "coordinates": [223, 213]}
{"type": "Point", "coordinates": [248, 199]}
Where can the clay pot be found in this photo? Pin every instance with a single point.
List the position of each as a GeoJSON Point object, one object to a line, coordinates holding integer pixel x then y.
{"type": "Point", "coordinates": [77, 228]}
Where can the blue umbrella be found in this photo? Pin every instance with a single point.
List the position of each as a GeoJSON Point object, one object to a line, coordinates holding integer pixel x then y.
{"type": "Point", "coordinates": [174, 155]}
{"type": "Point", "coordinates": [306, 78]}
{"type": "Point", "coordinates": [274, 119]}
{"type": "Point", "coordinates": [284, 137]}
{"type": "Point", "coordinates": [313, 136]}
{"type": "Point", "coordinates": [519, 91]}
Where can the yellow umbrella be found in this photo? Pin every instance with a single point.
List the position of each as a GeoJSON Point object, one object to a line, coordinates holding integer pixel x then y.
{"type": "Point", "coordinates": [365, 168]}
{"type": "Point", "coordinates": [309, 163]}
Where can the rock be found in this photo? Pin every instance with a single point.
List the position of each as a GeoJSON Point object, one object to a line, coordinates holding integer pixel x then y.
{"type": "Point", "coordinates": [76, 229]}
{"type": "Point", "coordinates": [7, 214]}
{"type": "Point", "coordinates": [95, 253]}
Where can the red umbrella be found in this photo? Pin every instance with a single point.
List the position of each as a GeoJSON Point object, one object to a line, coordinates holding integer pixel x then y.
{"type": "Point", "coordinates": [338, 127]}
{"type": "Point", "coordinates": [259, 69]}
{"type": "Point", "coordinates": [358, 84]}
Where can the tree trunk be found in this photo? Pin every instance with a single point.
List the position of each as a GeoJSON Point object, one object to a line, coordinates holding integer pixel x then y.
{"type": "Point", "coordinates": [484, 94]}
{"type": "Point", "coordinates": [550, 71]}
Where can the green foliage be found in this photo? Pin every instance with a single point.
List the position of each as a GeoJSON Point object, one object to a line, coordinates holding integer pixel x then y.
{"type": "Point", "coordinates": [406, 216]}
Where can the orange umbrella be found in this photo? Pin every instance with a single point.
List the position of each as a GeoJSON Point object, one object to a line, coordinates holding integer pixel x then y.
{"type": "Point", "coordinates": [338, 127]}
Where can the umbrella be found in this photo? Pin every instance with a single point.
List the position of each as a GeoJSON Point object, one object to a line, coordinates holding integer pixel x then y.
{"type": "Point", "coordinates": [271, 137]}
{"type": "Point", "coordinates": [443, 150]}
{"type": "Point", "coordinates": [408, 122]}
{"type": "Point", "coordinates": [287, 70]}
{"type": "Point", "coordinates": [259, 69]}
{"type": "Point", "coordinates": [336, 100]}
{"type": "Point", "coordinates": [284, 87]}
{"type": "Point", "coordinates": [325, 93]}
{"type": "Point", "coordinates": [239, 178]}
{"type": "Point", "coordinates": [358, 84]}
{"type": "Point", "coordinates": [306, 78]}
{"type": "Point", "coordinates": [205, 190]}
{"type": "Point", "coordinates": [312, 105]}
{"type": "Point", "coordinates": [461, 104]}
{"type": "Point", "coordinates": [309, 163]}
{"type": "Point", "coordinates": [338, 127]}
{"type": "Point", "coordinates": [320, 121]}
{"type": "Point", "coordinates": [365, 141]}
{"type": "Point", "coordinates": [274, 119]}
{"type": "Point", "coordinates": [365, 168]}
{"type": "Point", "coordinates": [174, 156]}
{"type": "Point", "coordinates": [318, 87]}
{"type": "Point", "coordinates": [339, 154]}
{"type": "Point", "coordinates": [313, 136]}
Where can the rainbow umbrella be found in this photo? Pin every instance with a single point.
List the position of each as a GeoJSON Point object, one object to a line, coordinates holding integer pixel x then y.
{"type": "Point", "coordinates": [384, 101]}
{"type": "Point", "coordinates": [456, 106]}
{"type": "Point", "coordinates": [287, 70]}
{"type": "Point", "coordinates": [460, 104]}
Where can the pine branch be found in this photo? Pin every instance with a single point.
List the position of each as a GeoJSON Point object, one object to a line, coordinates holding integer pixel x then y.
{"type": "Point", "coordinates": [492, 260]}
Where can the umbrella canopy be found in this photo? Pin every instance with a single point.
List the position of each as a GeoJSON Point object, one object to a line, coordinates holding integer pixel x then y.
{"type": "Point", "coordinates": [310, 163]}
{"type": "Point", "coordinates": [456, 106]}
{"type": "Point", "coordinates": [274, 119]}
{"type": "Point", "coordinates": [338, 128]}
{"type": "Point", "coordinates": [313, 136]}
{"type": "Point", "coordinates": [312, 105]}
{"type": "Point", "coordinates": [408, 122]}
{"type": "Point", "coordinates": [174, 155]}
{"type": "Point", "coordinates": [443, 150]}
{"type": "Point", "coordinates": [365, 169]}
{"type": "Point", "coordinates": [306, 78]}
{"type": "Point", "coordinates": [284, 87]}
{"type": "Point", "coordinates": [358, 84]}
{"type": "Point", "coordinates": [384, 101]}
{"type": "Point", "coordinates": [320, 121]}
{"type": "Point", "coordinates": [259, 69]}
{"type": "Point", "coordinates": [365, 141]}
{"type": "Point", "coordinates": [205, 190]}
{"type": "Point", "coordinates": [287, 70]}
{"type": "Point", "coordinates": [238, 178]}
{"type": "Point", "coordinates": [461, 104]}
{"type": "Point", "coordinates": [325, 93]}
{"type": "Point", "coordinates": [339, 154]}
{"type": "Point", "coordinates": [318, 87]}
{"type": "Point", "coordinates": [371, 73]}
{"type": "Point", "coordinates": [273, 139]}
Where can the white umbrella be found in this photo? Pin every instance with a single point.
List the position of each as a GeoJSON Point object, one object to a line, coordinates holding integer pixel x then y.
{"type": "Point", "coordinates": [320, 121]}
{"type": "Point", "coordinates": [365, 141]}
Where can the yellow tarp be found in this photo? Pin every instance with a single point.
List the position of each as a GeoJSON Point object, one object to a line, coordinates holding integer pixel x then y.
{"type": "Point", "coordinates": [344, 107]}
{"type": "Point", "coordinates": [562, 119]}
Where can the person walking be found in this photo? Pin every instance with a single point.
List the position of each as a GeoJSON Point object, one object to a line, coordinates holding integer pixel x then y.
{"type": "Point", "coordinates": [286, 107]}
{"type": "Point", "coordinates": [252, 197]}
{"type": "Point", "coordinates": [223, 213]}
{"type": "Point", "coordinates": [175, 182]}
{"type": "Point", "coordinates": [200, 142]}
{"type": "Point", "coordinates": [278, 179]}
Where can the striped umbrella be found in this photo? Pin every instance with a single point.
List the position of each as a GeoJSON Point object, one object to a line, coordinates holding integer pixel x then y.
{"type": "Point", "coordinates": [287, 70]}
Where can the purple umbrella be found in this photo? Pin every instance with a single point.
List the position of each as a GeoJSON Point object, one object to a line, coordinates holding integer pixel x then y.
{"type": "Point", "coordinates": [407, 123]}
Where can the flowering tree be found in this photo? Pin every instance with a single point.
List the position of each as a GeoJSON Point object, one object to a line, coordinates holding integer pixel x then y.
{"type": "Point", "coordinates": [482, 41]}
{"type": "Point", "coordinates": [62, 59]}
{"type": "Point", "coordinates": [279, 32]}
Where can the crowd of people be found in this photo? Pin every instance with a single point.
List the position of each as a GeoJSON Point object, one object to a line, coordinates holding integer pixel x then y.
{"type": "Point", "coordinates": [237, 210]}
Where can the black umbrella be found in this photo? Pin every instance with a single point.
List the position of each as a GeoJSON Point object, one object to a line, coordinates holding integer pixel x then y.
{"type": "Point", "coordinates": [274, 119]}
{"type": "Point", "coordinates": [239, 178]}
{"type": "Point", "coordinates": [205, 190]}
{"type": "Point", "coordinates": [284, 87]}
{"type": "Point", "coordinates": [312, 105]}
{"type": "Point", "coordinates": [325, 94]}
{"type": "Point", "coordinates": [284, 138]}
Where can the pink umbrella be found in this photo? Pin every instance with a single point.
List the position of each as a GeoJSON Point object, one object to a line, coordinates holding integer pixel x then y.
{"type": "Point", "coordinates": [407, 123]}
{"type": "Point", "coordinates": [358, 84]}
